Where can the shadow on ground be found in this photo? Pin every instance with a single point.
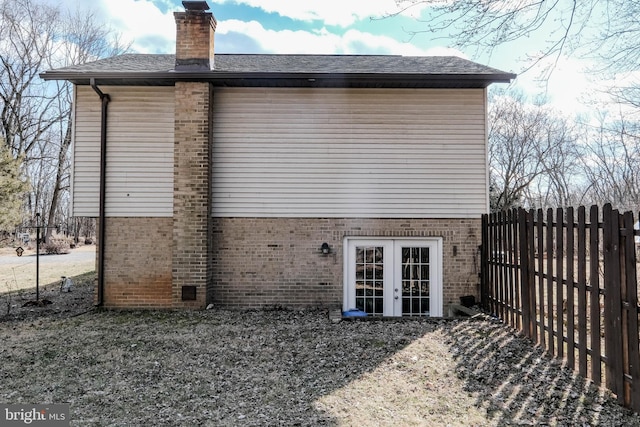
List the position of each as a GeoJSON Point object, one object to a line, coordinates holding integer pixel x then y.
{"type": "Point", "coordinates": [216, 367]}
{"type": "Point", "coordinates": [281, 367]}
{"type": "Point", "coordinates": [519, 384]}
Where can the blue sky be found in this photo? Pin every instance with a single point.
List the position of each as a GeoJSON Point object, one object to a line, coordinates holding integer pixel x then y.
{"type": "Point", "coordinates": [326, 27]}
{"type": "Point", "coordinates": [276, 26]}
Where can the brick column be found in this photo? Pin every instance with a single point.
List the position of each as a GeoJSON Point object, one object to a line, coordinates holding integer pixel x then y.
{"type": "Point", "coordinates": [191, 193]}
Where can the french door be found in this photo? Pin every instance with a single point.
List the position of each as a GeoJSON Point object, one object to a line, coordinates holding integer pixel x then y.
{"type": "Point", "coordinates": [393, 277]}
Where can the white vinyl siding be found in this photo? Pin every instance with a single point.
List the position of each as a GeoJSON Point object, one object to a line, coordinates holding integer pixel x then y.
{"type": "Point", "coordinates": [139, 151]}
{"type": "Point", "coordinates": [349, 153]}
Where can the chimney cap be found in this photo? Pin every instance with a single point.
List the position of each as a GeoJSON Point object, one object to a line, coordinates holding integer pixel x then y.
{"type": "Point", "coordinates": [195, 5]}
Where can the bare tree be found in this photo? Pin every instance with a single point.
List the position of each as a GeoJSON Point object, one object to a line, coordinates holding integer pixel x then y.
{"type": "Point", "coordinates": [35, 116]}
{"type": "Point", "coordinates": [608, 29]}
{"type": "Point", "coordinates": [27, 108]}
{"type": "Point", "coordinates": [86, 39]}
{"type": "Point", "coordinates": [558, 184]}
{"type": "Point", "coordinates": [531, 151]}
{"type": "Point", "coordinates": [612, 166]}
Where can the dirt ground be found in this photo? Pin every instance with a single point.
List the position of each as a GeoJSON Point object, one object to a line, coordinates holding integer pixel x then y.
{"type": "Point", "coordinates": [280, 368]}
{"type": "Point", "coordinates": [22, 305]}
{"type": "Point", "coordinates": [283, 368]}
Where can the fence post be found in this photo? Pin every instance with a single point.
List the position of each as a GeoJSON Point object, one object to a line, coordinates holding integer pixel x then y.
{"type": "Point", "coordinates": [612, 301]}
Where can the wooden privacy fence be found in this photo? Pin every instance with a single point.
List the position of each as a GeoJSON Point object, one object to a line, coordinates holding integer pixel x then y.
{"type": "Point", "coordinates": [569, 282]}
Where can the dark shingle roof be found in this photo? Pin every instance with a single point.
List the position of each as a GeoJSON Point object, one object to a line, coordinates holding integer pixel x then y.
{"type": "Point", "coordinates": [291, 70]}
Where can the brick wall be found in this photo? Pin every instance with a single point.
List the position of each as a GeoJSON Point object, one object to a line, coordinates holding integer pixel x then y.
{"type": "Point", "coordinates": [138, 262]}
{"type": "Point", "coordinates": [191, 192]}
{"type": "Point", "coordinates": [262, 261]}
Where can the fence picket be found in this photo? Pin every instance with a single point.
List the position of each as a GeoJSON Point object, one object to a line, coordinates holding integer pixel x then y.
{"type": "Point", "coordinates": [569, 248]}
{"type": "Point", "coordinates": [559, 279]}
{"type": "Point", "coordinates": [508, 271]}
{"type": "Point", "coordinates": [515, 276]}
{"type": "Point", "coordinates": [549, 252]}
{"type": "Point", "coordinates": [582, 292]}
{"type": "Point", "coordinates": [612, 301]}
{"type": "Point", "coordinates": [524, 265]}
{"type": "Point", "coordinates": [540, 235]}
{"type": "Point", "coordinates": [630, 319]}
{"type": "Point", "coordinates": [594, 278]}
{"type": "Point", "coordinates": [484, 267]}
{"type": "Point", "coordinates": [530, 260]}
{"type": "Point", "coordinates": [494, 266]}
{"type": "Point", "coordinates": [500, 268]}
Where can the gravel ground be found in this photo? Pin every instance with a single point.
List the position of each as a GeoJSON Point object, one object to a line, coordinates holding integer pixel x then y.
{"type": "Point", "coordinates": [286, 368]}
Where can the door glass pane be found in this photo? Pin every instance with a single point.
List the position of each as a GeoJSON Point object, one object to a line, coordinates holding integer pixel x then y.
{"type": "Point", "coordinates": [369, 279]}
{"type": "Point", "coordinates": [424, 255]}
{"type": "Point", "coordinates": [415, 281]}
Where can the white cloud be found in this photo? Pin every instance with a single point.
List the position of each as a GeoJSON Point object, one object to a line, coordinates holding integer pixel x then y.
{"type": "Point", "coordinates": [142, 22]}
{"type": "Point", "coordinates": [572, 88]}
{"type": "Point", "coordinates": [153, 31]}
{"type": "Point", "coordinates": [325, 42]}
{"type": "Point", "coordinates": [445, 51]}
{"type": "Point", "coordinates": [284, 41]}
{"type": "Point", "coordinates": [340, 14]}
{"type": "Point", "coordinates": [564, 83]}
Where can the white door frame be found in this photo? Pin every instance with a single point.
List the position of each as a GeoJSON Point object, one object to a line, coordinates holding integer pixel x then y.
{"type": "Point", "coordinates": [392, 270]}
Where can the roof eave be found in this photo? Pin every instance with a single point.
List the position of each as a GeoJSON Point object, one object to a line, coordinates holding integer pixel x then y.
{"type": "Point", "coordinates": [224, 78]}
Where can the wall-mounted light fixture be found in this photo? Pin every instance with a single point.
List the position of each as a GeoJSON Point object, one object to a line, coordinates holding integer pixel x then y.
{"type": "Point", "coordinates": [326, 250]}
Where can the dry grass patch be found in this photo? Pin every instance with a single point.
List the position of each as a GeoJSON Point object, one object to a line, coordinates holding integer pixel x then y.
{"type": "Point", "coordinates": [17, 273]}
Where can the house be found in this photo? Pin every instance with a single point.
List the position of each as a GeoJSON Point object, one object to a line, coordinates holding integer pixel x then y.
{"type": "Point", "coordinates": [281, 180]}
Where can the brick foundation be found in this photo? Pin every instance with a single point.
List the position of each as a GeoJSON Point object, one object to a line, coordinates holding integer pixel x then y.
{"type": "Point", "coordinates": [261, 262]}
{"type": "Point", "coordinates": [138, 262]}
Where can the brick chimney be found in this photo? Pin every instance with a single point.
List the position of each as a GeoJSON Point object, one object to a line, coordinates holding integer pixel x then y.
{"type": "Point", "coordinates": [195, 28]}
